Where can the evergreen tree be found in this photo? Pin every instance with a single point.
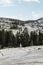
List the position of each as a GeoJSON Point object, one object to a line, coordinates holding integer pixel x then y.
{"type": "Point", "coordinates": [18, 39]}
{"type": "Point", "coordinates": [25, 38]}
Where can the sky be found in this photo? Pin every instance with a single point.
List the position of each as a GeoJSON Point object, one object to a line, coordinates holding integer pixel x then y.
{"type": "Point", "coordinates": [21, 9]}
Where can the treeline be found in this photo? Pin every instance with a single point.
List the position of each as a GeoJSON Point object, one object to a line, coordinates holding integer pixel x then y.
{"type": "Point", "coordinates": [7, 39]}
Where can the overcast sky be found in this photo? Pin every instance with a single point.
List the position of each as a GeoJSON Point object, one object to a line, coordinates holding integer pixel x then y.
{"type": "Point", "coordinates": [21, 9]}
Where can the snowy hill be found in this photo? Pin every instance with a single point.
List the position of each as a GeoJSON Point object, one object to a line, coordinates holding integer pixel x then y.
{"type": "Point", "coordinates": [22, 56]}
{"type": "Point", "coordinates": [15, 24]}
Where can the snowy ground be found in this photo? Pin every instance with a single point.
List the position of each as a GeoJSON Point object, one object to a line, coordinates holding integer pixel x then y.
{"type": "Point", "coordinates": [22, 56]}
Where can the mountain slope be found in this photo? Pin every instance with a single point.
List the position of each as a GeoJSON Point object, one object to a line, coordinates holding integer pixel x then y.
{"type": "Point", "coordinates": [22, 56]}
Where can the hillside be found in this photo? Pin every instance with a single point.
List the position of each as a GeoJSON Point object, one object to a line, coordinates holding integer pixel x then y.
{"type": "Point", "coordinates": [22, 56]}
{"type": "Point", "coordinates": [15, 24]}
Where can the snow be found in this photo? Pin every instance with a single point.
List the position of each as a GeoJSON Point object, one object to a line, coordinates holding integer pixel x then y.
{"type": "Point", "coordinates": [15, 31]}
{"type": "Point", "coordinates": [31, 28]}
{"type": "Point", "coordinates": [22, 56]}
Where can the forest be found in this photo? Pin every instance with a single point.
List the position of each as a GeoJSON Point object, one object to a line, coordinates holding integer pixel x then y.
{"type": "Point", "coordinates": [8, 39]}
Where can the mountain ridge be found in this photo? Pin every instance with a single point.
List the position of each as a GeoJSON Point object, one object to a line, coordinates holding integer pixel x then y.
{"type": "Point", "coordinates": [17, 20]}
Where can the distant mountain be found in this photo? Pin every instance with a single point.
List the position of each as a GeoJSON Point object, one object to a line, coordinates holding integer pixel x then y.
{"type": "Point", "coordinates": [15, 24]}
{"type": "Point", "coordinates": [10, 20]}
{"type": "Point", "coordinates": [16, 21]}
{"type": "Point", "coordinates": [30, 21]}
